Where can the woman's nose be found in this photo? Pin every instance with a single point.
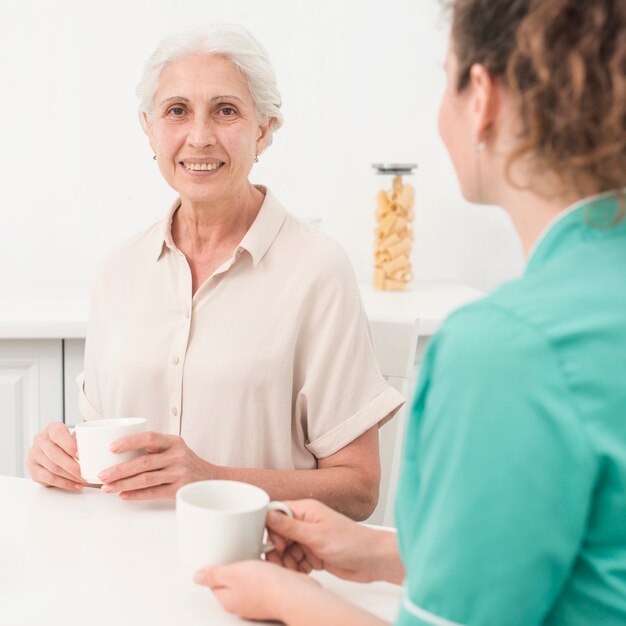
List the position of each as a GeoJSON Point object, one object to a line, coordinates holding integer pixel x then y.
{"type": "Point", "coordinates": [201, 133]}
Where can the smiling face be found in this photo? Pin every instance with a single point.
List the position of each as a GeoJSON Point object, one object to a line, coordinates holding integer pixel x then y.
{"type": "Point", "coordinates": [204, 129]}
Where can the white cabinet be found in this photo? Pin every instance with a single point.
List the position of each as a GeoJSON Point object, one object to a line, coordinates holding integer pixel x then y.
{"type": "Point", "coordinates": [31, 396]}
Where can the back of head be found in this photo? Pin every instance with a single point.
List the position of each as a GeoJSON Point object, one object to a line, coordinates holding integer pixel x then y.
{"type": "Point", "coordinates": [564, 62]}
{"type": "Point", "coordinates": [229, 40]}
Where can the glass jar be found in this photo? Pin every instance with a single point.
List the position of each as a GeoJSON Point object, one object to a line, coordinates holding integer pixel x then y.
{"type": "Point", "coordinates": [394, 229]}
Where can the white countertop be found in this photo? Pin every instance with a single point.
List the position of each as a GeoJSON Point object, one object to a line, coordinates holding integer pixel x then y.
{"type": "Point", "coordinates": [431, 303]}
{"type": "Point", "coordinates": [48, 315]}
{"type": "Point", "coordinates": [63, 315]}
{"type": "Point", "coordinates": [77, 559]}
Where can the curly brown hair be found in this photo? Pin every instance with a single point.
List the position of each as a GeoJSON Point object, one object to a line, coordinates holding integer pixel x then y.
{"type": "Point", "coordinates": [564, 61]}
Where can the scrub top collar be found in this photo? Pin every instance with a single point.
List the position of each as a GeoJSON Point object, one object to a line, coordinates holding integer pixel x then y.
{"type": "Point", "coordinates": [593, 217]}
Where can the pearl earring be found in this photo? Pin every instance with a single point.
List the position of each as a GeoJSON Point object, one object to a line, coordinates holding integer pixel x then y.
{"type": "Point", "coordinates": [256, 158]}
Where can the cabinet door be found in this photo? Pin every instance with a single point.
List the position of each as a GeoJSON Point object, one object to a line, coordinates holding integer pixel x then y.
{"type": "Point", "coordinates": [31, 396]}
{"type": "Point", "coordinates": [73, 365]}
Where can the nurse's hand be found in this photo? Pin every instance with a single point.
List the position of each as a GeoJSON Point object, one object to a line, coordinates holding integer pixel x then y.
{"type": "Point", "coordinates": [52, 459]}
{"type": "Point", "coordinates": [318, 537]}
{"type": "Point", "coordinates": [254, 589]}
{"type": "Point", "coordinates": [167, 465]}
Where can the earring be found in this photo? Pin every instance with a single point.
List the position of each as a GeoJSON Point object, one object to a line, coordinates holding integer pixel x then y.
{"type": "Point", "coordinates": [256, 158]}
{"type": "Point", "coordinates": [479, 146]}
{"type": "Point", "coordinates": [154, 157]}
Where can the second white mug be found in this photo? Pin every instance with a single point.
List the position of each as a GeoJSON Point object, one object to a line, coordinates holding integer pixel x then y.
{"type": "Point", "coordinates": [222, 521]}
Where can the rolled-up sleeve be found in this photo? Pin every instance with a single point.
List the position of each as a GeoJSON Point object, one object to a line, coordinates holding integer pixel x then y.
{"type": "Point", "coordinates": [341, 391]}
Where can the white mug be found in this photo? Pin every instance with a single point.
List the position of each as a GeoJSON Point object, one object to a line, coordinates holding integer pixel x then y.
{"type": "Point", "coordinates": [222, 521]}
{"type": "Point", "coordinates": [94, 438]}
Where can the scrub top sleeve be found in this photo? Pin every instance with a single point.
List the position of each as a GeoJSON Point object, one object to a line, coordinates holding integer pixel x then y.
{"type": "Point", "coordinates": [340, 390]}
{"type": "Point", "coordinates": [497, 478]}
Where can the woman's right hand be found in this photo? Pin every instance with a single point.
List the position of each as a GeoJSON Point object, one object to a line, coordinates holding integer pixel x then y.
{"type": "Point", "coordinates": [317, 537]}
{"type": "Point", "coordinates": [51, 459]}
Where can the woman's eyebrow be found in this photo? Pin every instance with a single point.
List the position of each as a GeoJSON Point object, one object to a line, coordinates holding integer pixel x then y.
{"type": "Point", "coordinates": [171, 98]}
{"type": "Point", "coordinates": [226, 97]}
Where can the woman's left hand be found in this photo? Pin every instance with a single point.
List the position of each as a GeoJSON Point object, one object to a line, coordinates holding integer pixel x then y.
{"type": "Point", "coordinates": [239, 590]}
{"type": "Point", "coordinates": [167, 465]}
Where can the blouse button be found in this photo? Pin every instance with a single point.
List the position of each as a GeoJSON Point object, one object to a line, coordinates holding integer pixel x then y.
{"type": "Point", "coordinates": [175, 361]}
{"type": "Point", "coordinates": [174, 411]}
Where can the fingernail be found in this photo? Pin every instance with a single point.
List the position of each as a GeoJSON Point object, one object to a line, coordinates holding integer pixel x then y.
{"type": "Point", "coordinates": [198, 577]}
{"type": "Point", "coordinates": [106, 488]}
{"type": "Point", "coordinates": [114, 447]}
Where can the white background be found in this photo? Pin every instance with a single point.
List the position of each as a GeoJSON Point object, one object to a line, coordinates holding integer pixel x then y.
{"type": "Point", "coordinates": [361, 83]}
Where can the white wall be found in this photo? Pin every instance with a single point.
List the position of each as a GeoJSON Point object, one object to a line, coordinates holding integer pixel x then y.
{"type": "Point", "coordinates": [361, 82]}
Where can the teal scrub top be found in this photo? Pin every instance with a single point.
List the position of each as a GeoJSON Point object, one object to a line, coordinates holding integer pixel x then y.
{"type": "Point", "coordinates": [511, 508]}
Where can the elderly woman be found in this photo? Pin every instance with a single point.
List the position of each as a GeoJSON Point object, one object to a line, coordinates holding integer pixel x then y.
{"type": "Point", "coordinates": [234, 328]}
{"type": "Point", "coordinates": [511, 509]}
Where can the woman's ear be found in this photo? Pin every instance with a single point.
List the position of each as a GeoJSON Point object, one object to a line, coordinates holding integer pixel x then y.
{"type": "Point", "coordinates": [149, 132]}
{"type": "Point", "coordinates": [485, 102]}
{"type": "Point", "coordinates": [264, 132]}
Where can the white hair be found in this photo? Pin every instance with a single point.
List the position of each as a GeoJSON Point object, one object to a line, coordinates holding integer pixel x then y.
{"type": "Point", "coordinates": [231, 41]}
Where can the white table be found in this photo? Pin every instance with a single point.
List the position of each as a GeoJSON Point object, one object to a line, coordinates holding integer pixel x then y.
{"type": "Point", "coordinates": [91, 559]}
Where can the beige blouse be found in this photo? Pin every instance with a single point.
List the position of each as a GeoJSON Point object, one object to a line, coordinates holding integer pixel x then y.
{"type": "Point", "coordinates": [269, 365]}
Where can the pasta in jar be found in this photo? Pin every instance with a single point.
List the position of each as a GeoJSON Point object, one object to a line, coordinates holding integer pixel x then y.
{"type": "Point", "coordinates": [393, 234]}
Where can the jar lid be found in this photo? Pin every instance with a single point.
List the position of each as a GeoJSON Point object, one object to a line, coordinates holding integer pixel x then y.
{"type": "Point", "coordinates": [394, 168]}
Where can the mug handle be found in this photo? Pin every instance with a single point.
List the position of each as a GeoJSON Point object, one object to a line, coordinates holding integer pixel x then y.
{"type": "Point", "coordinates": [268, 546]}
